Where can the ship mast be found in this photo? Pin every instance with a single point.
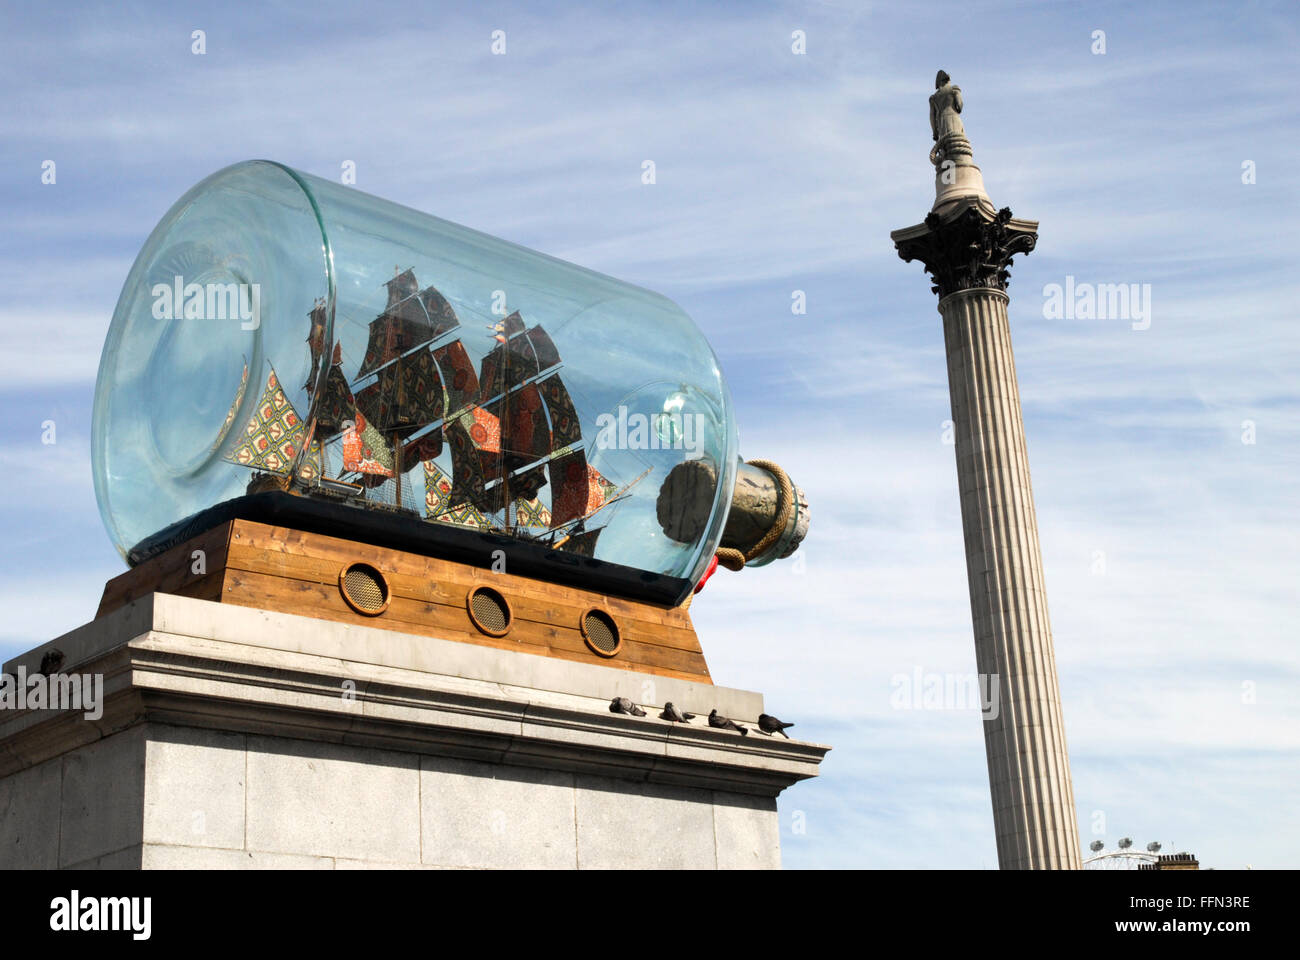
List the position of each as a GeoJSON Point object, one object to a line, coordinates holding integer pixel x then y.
{"type": "Point", "coordinates": [397, 457]}
{"type": "Point", "coordinates": [505, 421]}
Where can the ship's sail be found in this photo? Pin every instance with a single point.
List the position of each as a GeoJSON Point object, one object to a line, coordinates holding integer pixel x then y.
{"type": "Point", "coordinates": [577, 489]}
{"type": "Point", "coordinates": [336, 407]}
{"type": "Point", "coordinates": [365, 451]}
{"type": "Point", "coordinates": [427, 446]}
{"type": "Point", "coordinates": [543, 348]}
{"type": "Point", "coordinates": [316, 342]}
{"type": "Point", "coordinates": [438, 504]}
{"type": "Point", "coordinates": [475, 441]}
{"type": "Point", "coordinates": [524, 433]}
{"type": "Point", "coordinates": [458, 377]}
{"type": "Point", "coordinates": [406, 396]}
{"type": "Point", "coordinates": [532, 514]}
{"type": "Point", "coordinates": [512, 361]}
{"type": "Point", "coordinates": [273, 434]}
{"type": "Point", "coordinates": [566, 431]}
{"type": "Point", "coordinates": [583, 544]}
{"type": "Point", "coordinates": [404, 324]}
{"type": "Point", "coordinates": [439, 312]}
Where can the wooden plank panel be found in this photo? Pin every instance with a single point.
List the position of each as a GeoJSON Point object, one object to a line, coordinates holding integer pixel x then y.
{"type": "Point", "coordinates": [653, 634]}
{"type": "Point", "coordinates": [282, 539]}
{"type": "Point", "coordinates": [426, 578]}
{"type": "Point", "coordinates": [526, 607]}
{"type": "Point", "coordinates": [282, 569]}
{"type": "Point", "coordinates": [172, 572]}
{"type": "Point", "coordinates": [308, 598]}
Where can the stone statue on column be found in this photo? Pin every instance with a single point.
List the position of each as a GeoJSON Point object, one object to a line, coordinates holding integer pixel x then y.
{"type": "Point", "coordinates": [945, 122]}
{"type": "Point", "coordinates": [956, 177]}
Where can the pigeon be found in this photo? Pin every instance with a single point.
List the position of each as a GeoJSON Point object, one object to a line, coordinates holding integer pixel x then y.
{"type": "Point", "coordinates": [51, 661]}
{"type": "Point", "coordinates": [722, 723]}
{"type": "Point", "coordinates": [624, 705]}
{"type": "Point", "coordinates": [770, 725]}
{"type": "Point", "coordinates": [675, 715]}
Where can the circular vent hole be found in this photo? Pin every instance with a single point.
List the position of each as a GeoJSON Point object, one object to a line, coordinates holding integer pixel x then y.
{"type": "Point", "coordinates": [489, 611]}
{"type": "Point", "coordinates": [364, 588]}
{"type": "Point", "coordinates": [601, 632]}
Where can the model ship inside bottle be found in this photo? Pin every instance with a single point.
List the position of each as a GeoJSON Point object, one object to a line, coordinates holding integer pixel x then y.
{"type": "Point", "coordinates": [480, 444]}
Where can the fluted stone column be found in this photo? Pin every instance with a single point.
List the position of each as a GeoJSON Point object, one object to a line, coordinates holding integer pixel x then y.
{"type": "Point", "coordinates": [1029, 768]}
{"type": "Point", "coordinates": [967, 248]}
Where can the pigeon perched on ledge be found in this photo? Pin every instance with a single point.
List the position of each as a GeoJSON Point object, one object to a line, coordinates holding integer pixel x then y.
{"type": "Point", "coordinates": [722, 723]}
{"type": "Point", "coordinates": [770, 725]}
{"type": "Point", "coordinates": [624, 705]}
{"type": "Point", "coordinates": [675, 715]}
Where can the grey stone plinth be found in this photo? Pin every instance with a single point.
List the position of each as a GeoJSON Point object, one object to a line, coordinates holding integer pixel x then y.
{"type": "Point", "coordinates": [235, 738]}
{"type": "Point", "coordinates": [958, 181]}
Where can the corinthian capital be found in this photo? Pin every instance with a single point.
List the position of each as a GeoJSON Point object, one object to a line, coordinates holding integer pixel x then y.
{"type": "Point", "coordinates": [969, 249]}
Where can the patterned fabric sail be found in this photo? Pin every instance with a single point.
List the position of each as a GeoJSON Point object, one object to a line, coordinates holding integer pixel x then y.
{"type": "Point", "coordinates": [531, 514]}
{"type": "Point", "coordinates": [424, 447]}
{"type": "Point", "coordinates": [337, 406]}
{"type": "Point", "coordinates": [565, 428]}
{"type": "Point", "coordinates": [583, 544]}
{"type": "Point", "coordinates": [402, 326]}
{"type": "Point", "coordinates": [523, 360]}
{"type": "Point", "coordinates": [458, 376]}
{"type": "Point", "coordinates": [475, 440]}
{"type": "Point", "coordinates": [312, 465]}
{"type": "Point", "coordinates": [365, 450]}
{"type": "Point", "coordinates": [438, 501]}
{"type": "Point", "coordinates": [577, 489]}
{"type": "Point", "coordinates": [274, 433]}
{"type": "Point", "coordinates": [526, 484]}
{"type": "Point", "coordinates": [491, 381]}
{"type": "Point", "coordinates": [316, 342]}
{"type": "Point", "coordinates": [484, 430]}
{"type": "Point", "coordinates": [543, 348]}
{"type": "Point", "coordinates": [400, 288]}
{"type": "Point", "coordinates": [526, 435]}
{"type": "Point", "coordinates": [439, 311]}
{"type": "Point", "coordinates": [514, 352]}
{"type": "Point", "coordinates": [407, 395]}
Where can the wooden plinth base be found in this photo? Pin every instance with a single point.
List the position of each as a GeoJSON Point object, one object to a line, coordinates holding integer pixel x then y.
{"type": "Point", "coordinates": [279, 568]}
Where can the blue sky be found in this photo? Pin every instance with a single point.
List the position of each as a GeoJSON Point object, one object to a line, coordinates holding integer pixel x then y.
{"type": "Point", "coordinates": [775, 172]}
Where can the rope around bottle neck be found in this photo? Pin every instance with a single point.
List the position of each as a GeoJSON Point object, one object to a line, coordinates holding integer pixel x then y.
{"type": "Point", "coordinates": [734, 559]}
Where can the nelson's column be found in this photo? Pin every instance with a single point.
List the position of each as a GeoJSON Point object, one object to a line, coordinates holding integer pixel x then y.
{"type": "Point", "coordinates": [966, 245]}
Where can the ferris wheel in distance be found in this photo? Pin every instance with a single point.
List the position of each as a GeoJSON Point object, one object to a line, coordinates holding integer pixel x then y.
{"type": "Point", "coordinates": [1123, 857]}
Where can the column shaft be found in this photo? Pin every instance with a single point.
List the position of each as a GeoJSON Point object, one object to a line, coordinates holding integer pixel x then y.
{"type": "Point", "coordinates": [1029, 773]}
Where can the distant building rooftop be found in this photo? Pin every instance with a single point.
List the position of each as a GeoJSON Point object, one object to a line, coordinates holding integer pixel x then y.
{"type": "Point", "coordinates": [1173, 861]}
